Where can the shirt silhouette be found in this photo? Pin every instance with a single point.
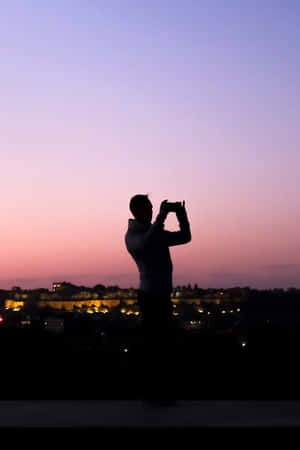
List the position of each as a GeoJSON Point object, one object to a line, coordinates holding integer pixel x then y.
{"type": "Point", "coordinates": [149, 245]}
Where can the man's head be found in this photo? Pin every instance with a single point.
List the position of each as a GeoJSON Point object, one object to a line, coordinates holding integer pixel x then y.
{"type": "Point", "coordinates": [141, 208]}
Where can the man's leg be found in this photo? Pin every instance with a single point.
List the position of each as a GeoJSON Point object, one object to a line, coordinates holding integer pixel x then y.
{"type": "Point", "coordinates": [158, 351]}
{"type": "Point", "coordinates": [166, 347]}
{"type": "Point", "coordinates": [146, 357]}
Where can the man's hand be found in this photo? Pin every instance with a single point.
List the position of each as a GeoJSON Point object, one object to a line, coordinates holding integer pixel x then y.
{"type": "Point", "coordinates": [164, 207]}
{"type": "Point", "coordinates": [181, 211]}
{"type": "Point", "coordinates": [182, 205]}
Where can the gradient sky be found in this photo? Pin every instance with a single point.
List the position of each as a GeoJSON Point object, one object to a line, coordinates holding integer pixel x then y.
{"type": "Point", "coordinates": [184, 100]}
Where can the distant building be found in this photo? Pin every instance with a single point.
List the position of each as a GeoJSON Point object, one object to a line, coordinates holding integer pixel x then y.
{"type": "Point", "coordinates": [56, 285]}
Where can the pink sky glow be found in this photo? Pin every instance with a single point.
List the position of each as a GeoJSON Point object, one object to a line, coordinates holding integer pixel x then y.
{"type": "Point", "coordinates": [192, 105]}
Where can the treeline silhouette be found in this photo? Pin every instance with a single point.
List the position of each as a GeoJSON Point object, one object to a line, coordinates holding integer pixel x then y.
{"type": "Point", "coordinates": [260, 298]}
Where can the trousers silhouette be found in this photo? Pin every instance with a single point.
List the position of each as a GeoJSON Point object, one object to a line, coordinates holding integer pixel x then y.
{"type": "Point", "coordinates": [158, 350]}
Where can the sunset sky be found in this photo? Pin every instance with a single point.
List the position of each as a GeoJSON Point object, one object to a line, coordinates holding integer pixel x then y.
{"type": "Point", "coordinates": [183, 100]}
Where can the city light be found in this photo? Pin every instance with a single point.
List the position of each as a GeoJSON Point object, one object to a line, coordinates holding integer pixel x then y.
{"type": "Point", "coordinates": [1, 319]}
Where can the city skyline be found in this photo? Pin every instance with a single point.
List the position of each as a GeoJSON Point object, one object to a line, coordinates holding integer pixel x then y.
{"type": "Point", "coordinates": [176, 99]}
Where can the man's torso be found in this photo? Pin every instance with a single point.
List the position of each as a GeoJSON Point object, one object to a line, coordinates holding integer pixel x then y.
{"type": "Point", "coordinates": [153, 261]}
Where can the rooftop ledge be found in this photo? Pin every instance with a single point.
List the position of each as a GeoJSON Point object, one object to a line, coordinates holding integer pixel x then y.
{"type": "Point", "coordinates": [135, 414]}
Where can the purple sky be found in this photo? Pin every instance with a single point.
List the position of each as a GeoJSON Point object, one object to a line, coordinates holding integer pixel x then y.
{"type": "Point", "coordinates": [179, 99]}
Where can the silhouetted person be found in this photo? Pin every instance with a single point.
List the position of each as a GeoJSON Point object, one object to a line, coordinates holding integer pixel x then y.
{"type": "Point", "coordinates": [148, 243]}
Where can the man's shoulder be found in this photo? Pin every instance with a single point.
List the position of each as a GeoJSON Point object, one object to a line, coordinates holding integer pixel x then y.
{"type": "Point", "coordinates": [131, 234]}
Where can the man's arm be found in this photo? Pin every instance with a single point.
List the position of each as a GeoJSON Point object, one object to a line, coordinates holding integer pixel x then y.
{"type": "Point", "coordinates": [139, 240]}
{"type": "Point", "coordinates": [184, 235]}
